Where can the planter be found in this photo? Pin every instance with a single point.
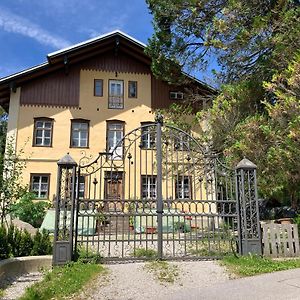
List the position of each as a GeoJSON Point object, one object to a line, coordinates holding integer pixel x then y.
{"type": "Point", "coordinates": [150, 230]}
{"type": "Point", "coordinates": [285, 221]}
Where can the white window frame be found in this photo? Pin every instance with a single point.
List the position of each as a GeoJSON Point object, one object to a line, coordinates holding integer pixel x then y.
{"type": "Point", "coordinates": [43, 129]}
{"type": "Point", "coordinates": [147, 183]}
{"type": "Point", "coordinates": [116, 153]}
{"type": "Point", "coordinates": [181, 187]}
{"type": "Point", "coordinates": [115, 99]}
{"type": "Point", "coordinates": [81, 142]}
{"type": "Point", "coordinates": [176, 95]}
{"type": "Point", "coordinates": [148, 135]}
{"type": "Point", "coordinates": [38, 192]}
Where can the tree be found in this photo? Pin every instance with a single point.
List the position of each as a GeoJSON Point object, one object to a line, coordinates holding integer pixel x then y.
{"type": "Point", "coordinates": [248, 37]}
{"type": "Point", "coordinates": [11, 186]}
{"type": "Point", "coordinates": [256, 112]}
{"type": "Point", "coordinates": [271, 138]}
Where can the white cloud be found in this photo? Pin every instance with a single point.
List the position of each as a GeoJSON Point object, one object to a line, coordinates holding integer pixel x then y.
{"type": "Point", "coordinates": [10, 22]}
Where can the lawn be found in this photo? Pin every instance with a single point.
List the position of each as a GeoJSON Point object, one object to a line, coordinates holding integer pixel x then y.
{"type": "Point", "coordinates": [63, 282]}
{"type": "Point", "coordinates": [255, 265]}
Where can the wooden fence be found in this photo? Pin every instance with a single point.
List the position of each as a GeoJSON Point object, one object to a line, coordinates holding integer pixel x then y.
{"type": "Point", "coordinates": [280, 240]}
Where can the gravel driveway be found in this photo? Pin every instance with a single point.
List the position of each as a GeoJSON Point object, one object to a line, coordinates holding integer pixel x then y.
{"type": "Point", "coordinates": [132, 282]}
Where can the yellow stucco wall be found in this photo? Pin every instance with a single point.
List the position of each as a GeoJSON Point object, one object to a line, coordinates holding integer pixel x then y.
{"type": "Point", "coordinates": [95, 109]}
{"type": "Point", "coordinates": [136, 110]}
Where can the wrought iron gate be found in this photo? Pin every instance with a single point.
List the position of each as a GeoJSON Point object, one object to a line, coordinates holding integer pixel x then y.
{"type": "Point", "coordinates": [157, 193]}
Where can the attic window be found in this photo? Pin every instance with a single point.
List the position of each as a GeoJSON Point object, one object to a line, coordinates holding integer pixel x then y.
{"type": "Point", "coordinates": [176, 95]}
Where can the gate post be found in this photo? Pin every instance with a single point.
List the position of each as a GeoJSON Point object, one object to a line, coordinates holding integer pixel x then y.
{"type": "Point", "coordinates": [159, 207]}
{"type": "Point", "coordinates": [64, 211]}
{"type": "Point", "coordinates": [248, 210]}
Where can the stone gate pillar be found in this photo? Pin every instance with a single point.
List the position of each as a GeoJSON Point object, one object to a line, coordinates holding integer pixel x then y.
{"type": "Point", "coordinates": [64, 211]}
{"type": "Point", "coordinates": [248, 210]}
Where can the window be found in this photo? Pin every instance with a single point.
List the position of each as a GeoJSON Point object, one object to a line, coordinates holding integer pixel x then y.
{"type": "Point", "coordinates": [182, 142]}
{"type": "Point", "coordinates": [116, 94]}
{"type": "Point", "coordinates": [98, 87]}
{"type": "Point", "coordinates": [148, 135]}
{"type": "Point", "coordinates": [81, 181]}
{"type": "Point", "coordinates": [176, 95]}
{"type": "Point", "coordinates": [132, 89]}
{"type": "Point", "coordinates": [40, 185]}
{"type": "Point", "coordinates": [81, 190]}
{"type": "Point", "coordinates": [148, 187]}
{"type": "Point", "coordinates": [42, 135]}
{"type": "Point", "coordinates": [115, 133]}
{"type": "Point", "coordinates": [183, 187]}
{"type": "Point", "coordinates": [79, 133]}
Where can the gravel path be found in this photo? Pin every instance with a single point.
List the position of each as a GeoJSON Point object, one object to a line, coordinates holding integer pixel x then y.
{"type": "Point", "coordinates": [133, 282]}
{"type": "Point", "coordinates": [18, 285]}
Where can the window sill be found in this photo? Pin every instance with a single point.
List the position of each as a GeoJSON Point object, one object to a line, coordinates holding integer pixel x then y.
{"type": "Point", "coordinates": [74, 147]}
{"type": "Point", "coordinates": [41, 146]}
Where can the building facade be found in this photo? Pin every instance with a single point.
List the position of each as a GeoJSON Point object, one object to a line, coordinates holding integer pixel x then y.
{"type": "Point", "coordinates": [83, 101]}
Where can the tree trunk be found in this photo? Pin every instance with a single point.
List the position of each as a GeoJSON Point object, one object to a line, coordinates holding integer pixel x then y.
{"type": "Point", "coordinates": [294, 200]}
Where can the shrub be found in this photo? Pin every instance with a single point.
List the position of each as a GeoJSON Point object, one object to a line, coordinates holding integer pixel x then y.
{"type": "Point", "coordinates": [297, 221]}
{"type": "Point", "coordinates": [4, 245]}
{"type": "Point", "coordinates": [29, 211]}
{"type": "Point", "coordinates": [15, 242]}
{"type": "Point", "coordinates": [41, 244]}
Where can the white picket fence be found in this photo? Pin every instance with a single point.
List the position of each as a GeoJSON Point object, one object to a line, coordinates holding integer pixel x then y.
{"type": "Point", "coordinates": [280, 240]}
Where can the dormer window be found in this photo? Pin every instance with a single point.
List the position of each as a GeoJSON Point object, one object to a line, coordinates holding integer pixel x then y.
{"type": "Point", "coordinates": [176, 95]}
{"type": "Point", "coordinates": [116, 94]}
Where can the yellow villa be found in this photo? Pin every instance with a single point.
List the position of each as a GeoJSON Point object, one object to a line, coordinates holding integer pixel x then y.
{"type": "Point", "coordinates": [86, 97]}
{"type": "Point", "coordinates": [121, 179]}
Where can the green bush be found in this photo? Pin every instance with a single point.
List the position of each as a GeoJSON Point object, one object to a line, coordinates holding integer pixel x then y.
{"type": "Point", "coordinates": [41, 244]}
{"type": "Point", "coordinates": [15, 242]}
{"type": "Point", "coordinates": [4, 245]}
{"type": "Point", "coordinates": [29, 211]}
{"type": "Point", "coordinates": [297, 221]}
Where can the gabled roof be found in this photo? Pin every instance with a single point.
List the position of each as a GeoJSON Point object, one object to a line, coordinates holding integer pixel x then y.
{"type": "Point", "coordinates": [96, 40]}
{"type": "Point", "coordinates": [78, 52]}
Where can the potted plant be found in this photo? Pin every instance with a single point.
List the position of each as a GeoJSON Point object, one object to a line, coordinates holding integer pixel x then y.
{"type": "Point", "coordinates": [131, 222]}
{"type": "Point", "coordinates": [100, 221]}
{"type": "Point", "coordinates": [150, 230]}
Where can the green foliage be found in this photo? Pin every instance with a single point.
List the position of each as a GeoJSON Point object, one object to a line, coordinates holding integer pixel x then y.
{"type": "Point", "coordinates": [11, 185]}
{"type": "Point", "coordinates": [29, 211]}
{"type": "Point", "coordinates": [261, 121]}
{"type": "Point", "coordinates": [4, 245]}
{"type": "Point", "coordinates": [297, 221]}
{"type": "Point", "coordinates": [145, 253]}
{"type": "Point", "coordinates": [254, 265]}
{"type": "Point", "coordinates": [84, 256]}
{"type": "Point", "coordinates": [15, 242]}
{"type": "Point", "coordinates": [182, 227]}
{"type": "Point", "coordinates": [41, 243]}
{"type": "Point", "coordinates": [248, 37]}
{"type": "Point", "coordinates": [63, 282]}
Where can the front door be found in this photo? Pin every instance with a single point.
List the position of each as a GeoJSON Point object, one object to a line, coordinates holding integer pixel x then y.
{"type": "Point", "coordinates": [114, 189]}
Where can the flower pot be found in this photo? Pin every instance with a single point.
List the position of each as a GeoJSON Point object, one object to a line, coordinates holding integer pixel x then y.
{"type": "Point", "coordinates": [150, 230]}
{"type": "Point", "coordinates": [285, 221]}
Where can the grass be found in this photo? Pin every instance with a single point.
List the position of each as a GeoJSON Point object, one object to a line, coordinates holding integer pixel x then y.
{"type": "Point", "coordinates": [255, 265]}
{"type": "Point", "coordinates": [210, 248]}
{"type": "Point", "coordinates": [163, 271]}
{"type": "Point", "coordinates": [63, 282]}
{"type": "Point", "coordinates": [145, 253]}
{"type": "Point", "coordinates": [1, 293]}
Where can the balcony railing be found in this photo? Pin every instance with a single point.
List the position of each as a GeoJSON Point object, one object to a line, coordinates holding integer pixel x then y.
{"type": "Point", "coordinates": [115, 101]}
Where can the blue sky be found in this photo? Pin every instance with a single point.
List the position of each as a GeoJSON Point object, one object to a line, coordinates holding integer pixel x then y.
{"type": "Point", "coordinates": [30, 29]}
